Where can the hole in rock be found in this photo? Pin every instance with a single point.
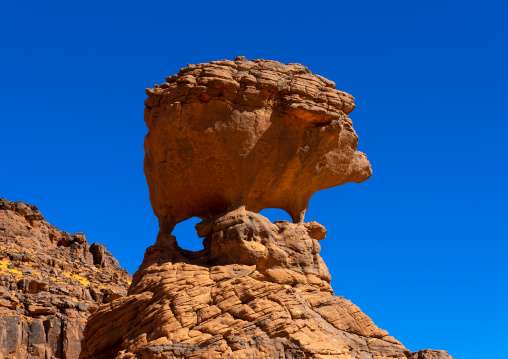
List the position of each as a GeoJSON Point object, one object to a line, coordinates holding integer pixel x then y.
{"type": "Point", "coordinates": [275, 214]}
{"type": "Point", "coordinates": [187, 236]}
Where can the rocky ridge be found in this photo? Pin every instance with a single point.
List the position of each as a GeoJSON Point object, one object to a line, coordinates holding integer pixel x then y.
{"type": "Point", "coordinates": [50, 283]}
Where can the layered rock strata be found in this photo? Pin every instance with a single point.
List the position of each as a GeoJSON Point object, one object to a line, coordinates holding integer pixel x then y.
{"type": "Point", "coordinates": [227, 139]}
{"type": "Point", "coordinates": [50, 283]}
{"type": "Point", "coordinates": [258, 134]}
{"type": "Point", "coordinates": [257, 290]}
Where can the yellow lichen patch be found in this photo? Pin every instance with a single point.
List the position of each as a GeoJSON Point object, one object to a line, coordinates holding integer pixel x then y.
{"type": "Point", "coordinates": [74, 299]}
{"type": "Point", "coordinates": [82, 280]}
{"type": "Point", "coordinates": [3, 266]}
{"type": "Point", "coordinates": [129, 283]}
{"type": "Point", "coordinates": [4, 270]}
{"type": "Point", "coordinates": [36, 273]}
{"type": "Point", "coordinates": [77, 277]}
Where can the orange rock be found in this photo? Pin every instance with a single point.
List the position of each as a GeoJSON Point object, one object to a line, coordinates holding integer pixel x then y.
{"type": "Point", "coordinates": [258, 134]}
{"type": "Point", "coordinates": [258, 289]}
{"type": "Point", "coordinates": [227, 139]}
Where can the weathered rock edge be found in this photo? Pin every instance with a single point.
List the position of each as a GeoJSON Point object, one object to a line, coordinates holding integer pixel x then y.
{"type": "Point", "coordinates": [50, 282]}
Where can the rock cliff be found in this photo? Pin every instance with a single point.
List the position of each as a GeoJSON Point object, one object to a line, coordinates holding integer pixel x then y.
{"type": "Point", "coordinates": [50, 283]}
{"type": "Point", "coordinates": [227, 139]}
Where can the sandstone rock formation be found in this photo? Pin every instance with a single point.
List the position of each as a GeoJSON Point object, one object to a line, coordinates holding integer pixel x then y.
{"type": "Point", "coordinates": [50, 282]}
{"type": "Point", "coordinates": [255, 133]}
{"type": "Point", "coordinates": [227, 139]}
{"type": "Point", "coordinates": [257, 290]}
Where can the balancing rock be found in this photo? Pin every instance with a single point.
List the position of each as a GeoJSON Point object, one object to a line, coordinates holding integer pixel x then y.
{"type": "Point", "coordinates": [227, 139]}
{"type": "Point", "coordinates": [258, 134]}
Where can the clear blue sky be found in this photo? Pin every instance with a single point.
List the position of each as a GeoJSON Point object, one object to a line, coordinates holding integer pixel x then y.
{"type": "Point", "coordinates": [421, 247]}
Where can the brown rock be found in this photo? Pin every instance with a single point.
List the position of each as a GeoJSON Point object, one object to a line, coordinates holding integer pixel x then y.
{"type": "Point", "coordinates": [430, 354]}
{"type": "Point", "coordinates": [255, 133]}
{"type": "Point", "coordinates": [227, 139]}
{"type": "Point", "coordinates": [48, 281]}
{"type": "Point", "coordinates": [258, 289]}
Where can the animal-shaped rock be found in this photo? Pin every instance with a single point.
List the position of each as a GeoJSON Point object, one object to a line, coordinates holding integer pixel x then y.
{"type": "Point", "coordinates": [258, 134]}
{"type": "Point", "coordinates": [227, 139]}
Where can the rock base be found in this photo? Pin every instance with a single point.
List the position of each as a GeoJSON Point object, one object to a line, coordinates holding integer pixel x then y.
{"type": "Point", "coordinates": [275, 301]}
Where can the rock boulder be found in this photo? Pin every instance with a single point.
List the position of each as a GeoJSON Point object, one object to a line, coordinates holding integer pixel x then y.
{"type": "Point", "coordinates": [258, 134]}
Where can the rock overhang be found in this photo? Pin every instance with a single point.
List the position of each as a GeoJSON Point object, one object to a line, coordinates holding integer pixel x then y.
{"type": "Point", "coordinates": [259, 134]}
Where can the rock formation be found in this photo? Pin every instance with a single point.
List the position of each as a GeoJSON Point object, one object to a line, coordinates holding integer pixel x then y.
{"type": "Point", "coordinates": [227, 139]}
{"type": "Point", "coordinates": [258, 134]}
{"type": "Point", "coordinates": [50, 282]}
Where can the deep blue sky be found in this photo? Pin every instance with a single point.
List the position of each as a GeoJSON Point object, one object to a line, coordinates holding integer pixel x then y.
{"type": "Point", "coordinates": [421, 247]}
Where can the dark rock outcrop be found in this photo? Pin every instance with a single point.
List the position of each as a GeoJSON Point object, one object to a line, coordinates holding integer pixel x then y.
{"type": "Point", "coordinates": [50, 283]}
{"type": "Point", "coordinates": [430, 354]}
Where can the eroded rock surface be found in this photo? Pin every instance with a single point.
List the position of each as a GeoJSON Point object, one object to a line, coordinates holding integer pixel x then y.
{"type": "Point", "coordinates": [50, 282]}
{"type": "Point", "coordinates": [430, 354]}
{"type": "Point", "coordinates": [227, 139]}
{"type": "Point", "coordinates": [255, 133]}
{"type": "Point", "coordinates": [257, 290]}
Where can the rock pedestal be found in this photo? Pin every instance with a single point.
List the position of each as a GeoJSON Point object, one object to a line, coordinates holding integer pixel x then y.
{"type": "Point", "coordinates": [257, 290]}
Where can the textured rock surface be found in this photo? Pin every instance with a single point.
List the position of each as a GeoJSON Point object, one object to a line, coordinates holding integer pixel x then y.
{"type": "Point", "coordinates": [255, 133]}
{"type": "Point", "coordinates": [50, 282]}
{"type": "Point", "coordinates": [257, 290]}
{"type": "Point", "coordinates": [227, 139]}
{"type": "Point", "coordinates": [430, 354]}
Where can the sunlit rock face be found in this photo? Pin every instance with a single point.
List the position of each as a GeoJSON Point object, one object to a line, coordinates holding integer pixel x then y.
{"type": "Point", "coordinates": [257, 290]}
{"type": "Point", "coordinates": [258, 134]}
{"type": "Point", "coordinates": [50, 283]}
{"type": "Point", "coordinates": [227, 139]}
